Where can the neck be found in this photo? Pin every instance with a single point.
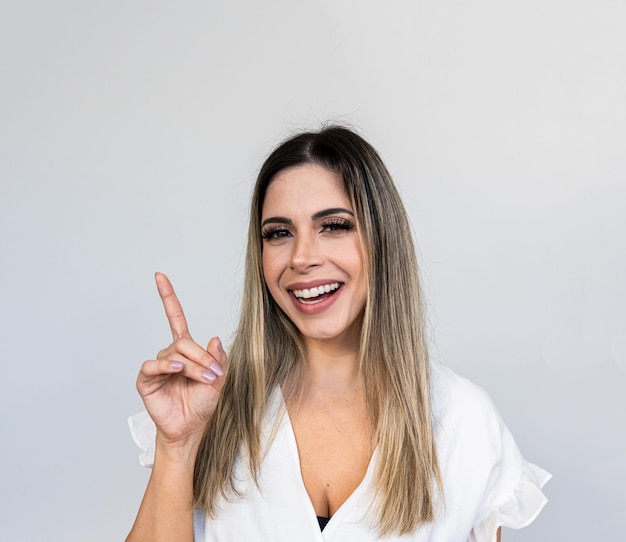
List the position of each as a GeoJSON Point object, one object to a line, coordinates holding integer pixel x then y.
{"type": "Point", "coordinates": [330, 367]}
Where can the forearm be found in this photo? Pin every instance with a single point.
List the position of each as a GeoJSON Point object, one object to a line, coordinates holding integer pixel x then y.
{"type": "Point", "coordinates": [166, 511]}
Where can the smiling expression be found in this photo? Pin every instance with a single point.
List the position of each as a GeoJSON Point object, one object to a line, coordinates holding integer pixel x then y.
{"type": "Point", "coordinates": [312, 255]}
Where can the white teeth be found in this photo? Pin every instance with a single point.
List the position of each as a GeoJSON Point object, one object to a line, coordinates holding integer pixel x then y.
{"type": "Point", "coordinates": [316, 291]}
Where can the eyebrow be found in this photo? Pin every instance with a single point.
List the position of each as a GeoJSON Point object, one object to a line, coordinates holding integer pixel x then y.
{"type": "Point", "coordinates": [320, 214]}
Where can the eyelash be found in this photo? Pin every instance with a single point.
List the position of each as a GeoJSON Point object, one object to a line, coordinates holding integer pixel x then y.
{"type": "Point", "coordinates": [331, 225]}
{"type": "Point", "coordinates": [337, 224]}
{"type": "Point", "coordinates": [272, 233]}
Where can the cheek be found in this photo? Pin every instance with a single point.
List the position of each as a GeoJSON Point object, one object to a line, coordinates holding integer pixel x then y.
{"type": "Point", "coordinates": [272, 272]}
{"type": "Point", "coordinates": [354, 259]}
{"type": "Point", "coordinates": [271, 268]}
{"type": "Point", "coordinates": [267, 271]}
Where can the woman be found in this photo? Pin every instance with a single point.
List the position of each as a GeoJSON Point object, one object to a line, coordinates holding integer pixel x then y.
{"type": "Point", "coordinates": [327, 405]}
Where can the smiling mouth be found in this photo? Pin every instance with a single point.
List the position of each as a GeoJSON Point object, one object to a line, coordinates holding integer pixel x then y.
{"type": "Point", "coordinates": [309, 296]}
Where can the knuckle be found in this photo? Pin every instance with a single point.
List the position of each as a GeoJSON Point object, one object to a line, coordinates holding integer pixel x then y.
{"type": "Point", "coordinates": [162, 354]}
{"type": "Point", "coordinates": [184, 342]}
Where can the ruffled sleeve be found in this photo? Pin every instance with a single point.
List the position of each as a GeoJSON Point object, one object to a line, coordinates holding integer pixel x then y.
{"type": "Point", "coordinates": [520, 509]}
{"type": "Point", "coordinates": [143, 431]}
{"type": "Point", "coordinates": [487, 482]}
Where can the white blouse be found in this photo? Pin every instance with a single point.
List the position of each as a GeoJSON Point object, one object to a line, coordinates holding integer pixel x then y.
{"type": "Point", "coordinates": [486, 481]}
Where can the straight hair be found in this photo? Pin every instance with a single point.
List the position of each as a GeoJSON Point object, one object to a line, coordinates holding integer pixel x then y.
{"type": "Point", "coordinates": [393, 359]}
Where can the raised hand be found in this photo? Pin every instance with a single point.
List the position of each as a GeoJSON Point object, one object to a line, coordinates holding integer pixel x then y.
{"type": "Point", "coordinates": [181, 387]}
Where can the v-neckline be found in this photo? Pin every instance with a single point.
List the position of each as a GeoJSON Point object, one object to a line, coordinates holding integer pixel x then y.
{"type": "Point", "coordinates": [304, 495]}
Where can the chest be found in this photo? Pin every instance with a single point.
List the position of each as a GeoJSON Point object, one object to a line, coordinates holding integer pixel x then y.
{"type": "Point", "coordinates": [334, 450]}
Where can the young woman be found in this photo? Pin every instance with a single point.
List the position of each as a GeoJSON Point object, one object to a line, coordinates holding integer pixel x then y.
{"type": "Point", "coordinates": [327, 421]}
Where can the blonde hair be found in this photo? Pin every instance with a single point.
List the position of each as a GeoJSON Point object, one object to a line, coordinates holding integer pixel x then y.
{"type": "Point", "coordinates": [267, 350]}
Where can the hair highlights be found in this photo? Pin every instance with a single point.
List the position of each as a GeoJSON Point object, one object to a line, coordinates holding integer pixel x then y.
{"type": "Point", "coordinates": [267, 350]}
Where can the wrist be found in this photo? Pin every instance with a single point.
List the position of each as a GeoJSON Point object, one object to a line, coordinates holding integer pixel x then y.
{"type": "Point", "coordinates": [183, 450]}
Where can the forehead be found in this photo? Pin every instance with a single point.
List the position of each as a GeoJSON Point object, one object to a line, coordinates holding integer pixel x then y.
{"type": "Point", "coordinates": [304, 189]}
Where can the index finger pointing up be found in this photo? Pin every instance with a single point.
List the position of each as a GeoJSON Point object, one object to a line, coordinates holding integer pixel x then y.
{"type": "Point", "coordinates": [173, 308]}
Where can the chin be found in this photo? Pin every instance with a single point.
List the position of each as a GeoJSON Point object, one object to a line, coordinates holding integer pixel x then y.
{"type": "Point", "coordinates": [333, 335]}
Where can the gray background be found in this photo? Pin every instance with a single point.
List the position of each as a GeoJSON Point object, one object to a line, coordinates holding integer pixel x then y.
{"type": "Point", "coordinates": [130, 136]}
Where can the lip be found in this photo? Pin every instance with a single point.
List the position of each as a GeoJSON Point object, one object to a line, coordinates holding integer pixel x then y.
{"type": "Point", "coordinates": [311, 309]}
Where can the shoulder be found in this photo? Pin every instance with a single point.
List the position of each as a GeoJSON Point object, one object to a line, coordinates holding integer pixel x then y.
{"type": "Point", "coordinates": [452, 394]}
{"type": "Point", "coordinates": [465, 418]}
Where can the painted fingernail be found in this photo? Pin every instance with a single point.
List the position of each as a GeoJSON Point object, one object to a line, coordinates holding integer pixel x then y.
{"type": "Point", "coordinates": [176, 365]}
{"type": "Point", "coordinates": [217, 368]}
{"type": "Point", "coordinates": [219, 345]}
{"type": "Point", "coordinates": [209, 376]}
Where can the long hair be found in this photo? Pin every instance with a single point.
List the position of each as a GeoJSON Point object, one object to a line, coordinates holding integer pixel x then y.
{"type": "Point", "coordinates": [267, 350]}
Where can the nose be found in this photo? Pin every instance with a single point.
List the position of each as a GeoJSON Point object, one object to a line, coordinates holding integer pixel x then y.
{"type": "Point", "coordinates": [306, 253]}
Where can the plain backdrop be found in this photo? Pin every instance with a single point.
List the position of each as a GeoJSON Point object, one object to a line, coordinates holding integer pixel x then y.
{"type": "Point", "coordinates": [130, 136]}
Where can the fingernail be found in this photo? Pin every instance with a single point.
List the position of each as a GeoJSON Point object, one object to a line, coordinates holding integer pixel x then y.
{"type": "Point", "coordinates": [219, 345]}
{"type": "Point", "coordinates": [176, 365]}
{"type": "Point", "coordinates": [216, 368]}
{"type": "Point", "coordinates": [209, 376]}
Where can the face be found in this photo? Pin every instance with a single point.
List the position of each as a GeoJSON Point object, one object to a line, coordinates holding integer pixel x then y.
{"type": "Point", "coordinates": [312, 257]}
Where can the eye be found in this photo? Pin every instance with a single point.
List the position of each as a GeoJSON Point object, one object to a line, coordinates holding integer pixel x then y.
{"type": "Point", "coordinates": [274, 233]}
{"type": "Point", "coordinates": [337, 225]}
